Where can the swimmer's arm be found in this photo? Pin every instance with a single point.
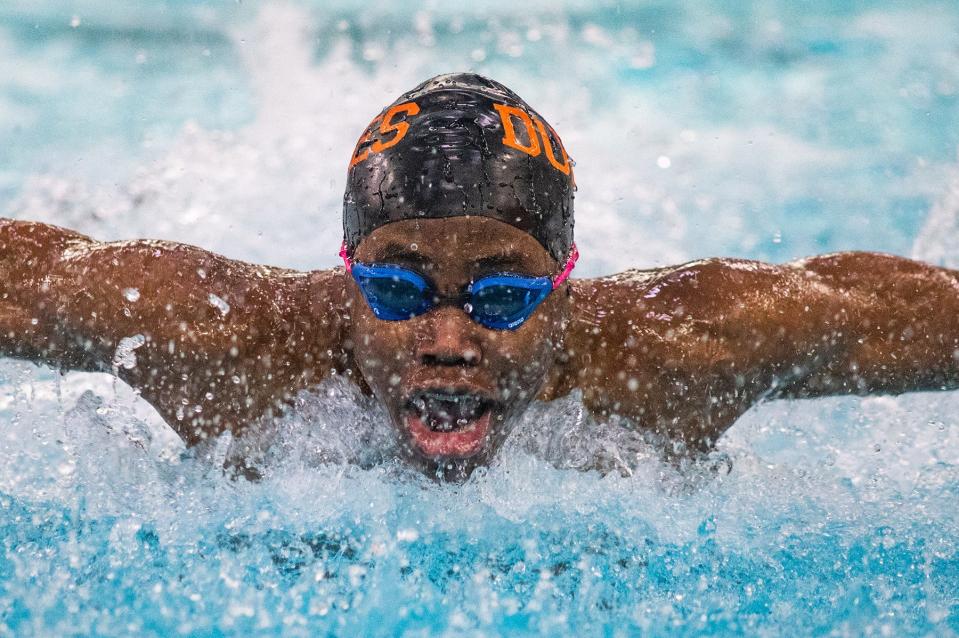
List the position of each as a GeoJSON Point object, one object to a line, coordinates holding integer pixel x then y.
{"type": "Point", "coordinates": [27, 253]}
{"type": "Point", "coordinates": [888, 325]}
{"type": "Point", "coordinates": [685, 351]}
{"type": "Point", "coordinates": [218, 342]}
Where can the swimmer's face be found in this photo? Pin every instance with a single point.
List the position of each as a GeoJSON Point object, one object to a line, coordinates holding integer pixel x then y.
{"type": "Point", "coordinates": [452, 386]}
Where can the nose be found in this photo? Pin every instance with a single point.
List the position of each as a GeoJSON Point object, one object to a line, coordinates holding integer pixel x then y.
{"type": "Point", "coordinates": [448, 339]}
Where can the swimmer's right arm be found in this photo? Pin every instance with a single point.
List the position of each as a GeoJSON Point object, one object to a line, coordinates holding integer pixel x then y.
{"type": "Point", "coordinates": [211, 343]}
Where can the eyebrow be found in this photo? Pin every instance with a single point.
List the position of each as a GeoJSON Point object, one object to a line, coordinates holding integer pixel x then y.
{"type": "Point", "coordinates": [501, 262]}
{"type": "Point", "coordinates": [402, 253]}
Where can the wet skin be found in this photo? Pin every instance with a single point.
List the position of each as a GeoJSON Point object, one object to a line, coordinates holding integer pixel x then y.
{"type": "Point", "coordinates": [446, 351]}
{"type": "Point", "coordinates": [683, 351]}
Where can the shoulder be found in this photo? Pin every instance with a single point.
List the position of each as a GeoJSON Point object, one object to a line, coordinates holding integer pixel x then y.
{"type": "Point", "coordinates": [705, 281]}
{"type": "Point", "coordinates": [673, 311]}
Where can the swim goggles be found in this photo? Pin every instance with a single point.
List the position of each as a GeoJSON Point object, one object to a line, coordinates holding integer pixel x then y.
{"type": "Point", "coordinates": [500, 301]}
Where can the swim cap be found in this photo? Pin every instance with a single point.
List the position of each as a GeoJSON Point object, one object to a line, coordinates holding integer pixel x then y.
{"type": "Point", "coordinates": [461, 144]}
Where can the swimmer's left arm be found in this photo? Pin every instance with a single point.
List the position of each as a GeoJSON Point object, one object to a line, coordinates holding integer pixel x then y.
{"type": "Point", "coordinates": [687, 350]}
{"type": "Point", "coordinates": [893, 326]}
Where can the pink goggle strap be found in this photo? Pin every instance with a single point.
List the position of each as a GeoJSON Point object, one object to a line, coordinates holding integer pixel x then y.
{"type": "Point", "coordinates": [568, 268]}
{"type": "Point", "coordinates": [346, 257]}
{"type": "Point", "coordinates": [559, 279]}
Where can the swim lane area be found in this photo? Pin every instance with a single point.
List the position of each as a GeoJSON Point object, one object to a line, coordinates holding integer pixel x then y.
{"type": "Point", "coordinates": [766, 130]}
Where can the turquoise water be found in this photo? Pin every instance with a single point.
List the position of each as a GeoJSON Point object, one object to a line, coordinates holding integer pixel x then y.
{"type": "Point", "coordinates": [769, 130]}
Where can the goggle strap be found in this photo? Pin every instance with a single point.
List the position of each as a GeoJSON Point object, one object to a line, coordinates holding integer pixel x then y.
{"type": "Point", "coordinates": [346, 257]}
{"type": "Point", "coordinates": [568, 268]}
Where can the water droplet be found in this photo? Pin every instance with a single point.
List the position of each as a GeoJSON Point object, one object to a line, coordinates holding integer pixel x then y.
{"type": "Point", "coordinates": [131, 294]}
{"type": "Point", "coordinates": [663, 162]}
{"type": "Point", "coordinates": [407, 535]}
{"type": "Point", "coordinates": [219, 303]}
{"type": "Point", "coordinates": [75, 21]}
{"type": "Point", "coordinates": [124, 356]}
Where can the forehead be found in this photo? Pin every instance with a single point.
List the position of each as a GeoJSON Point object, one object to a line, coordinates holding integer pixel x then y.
{"type": "Point", "coordinates": [456, 240]}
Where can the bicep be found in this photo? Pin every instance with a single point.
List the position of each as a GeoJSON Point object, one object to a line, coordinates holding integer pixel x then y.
{"type": "Point", "coordinates": [747, 329]}
{"type": "Point", "coordinates": [97, 294]}
{"type": "Point", "coordinates": [900, 333]}
{"type": "Point", "coordinates": [689, 349]}
{"type": "Point", "coordinates": [196, 333]}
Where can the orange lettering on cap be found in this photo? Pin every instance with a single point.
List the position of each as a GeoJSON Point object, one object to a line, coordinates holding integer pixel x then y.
{"type": "Point", "coordinates": [357, 155]}
{"type": "Point", "coordinates": [506, 114]}
{"type": "Point", "coordinates": [401, 127]}
{"type": "Point", "coordinates": [565, 166]}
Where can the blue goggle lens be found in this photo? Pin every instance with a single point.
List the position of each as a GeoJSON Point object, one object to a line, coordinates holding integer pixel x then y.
{"type": "Point", "coordinates": [504, 302]}
{"type": "Point", "coordinates": [393, 296]}
{"type": "Point", "coordinates": [499, 302]}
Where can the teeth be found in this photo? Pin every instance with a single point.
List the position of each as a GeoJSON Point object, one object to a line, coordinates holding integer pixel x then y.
{"type": "Point", "coordinates": [445, 412]}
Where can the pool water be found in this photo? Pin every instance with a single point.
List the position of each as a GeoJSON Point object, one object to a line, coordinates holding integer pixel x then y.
{"type": "Point", "coordinates": [766, 129]}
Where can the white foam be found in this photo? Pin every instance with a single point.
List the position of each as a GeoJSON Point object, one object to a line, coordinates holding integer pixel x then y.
{"type": "Point", "coordinates": [939, 237]}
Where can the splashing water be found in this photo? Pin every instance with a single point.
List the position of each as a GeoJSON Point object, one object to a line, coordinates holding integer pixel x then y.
{"type": "Point", "coordinates": [832, 516]}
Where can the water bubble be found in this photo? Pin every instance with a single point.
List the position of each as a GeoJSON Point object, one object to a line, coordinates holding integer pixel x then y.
{"type": "Point", "coordinates": [939, 425]}
{"type": "Point", "coordinates": [131, 294]}
{"type": "Point", "coordinates": [219, 303]}
{"type": "Point", "coordinates": [407, 535]}
{"type": "Point", "coordinates": [124, 356]}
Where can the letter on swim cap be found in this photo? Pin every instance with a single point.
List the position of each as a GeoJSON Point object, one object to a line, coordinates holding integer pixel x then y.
{"type": "Point", "coordinates": [401, 127]}
{"type": "Point", "coordinates": [387, 126]}
{"type": "Point", "coordinates": [506, 114]}
{"type": "Point", "coordinates": [564, 167]}
{"type": "Point", "coordinates": [366, 137]}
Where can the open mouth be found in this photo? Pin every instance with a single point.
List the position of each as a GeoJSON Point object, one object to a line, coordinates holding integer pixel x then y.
{"type": "Point", "coordinates": [448, 423]}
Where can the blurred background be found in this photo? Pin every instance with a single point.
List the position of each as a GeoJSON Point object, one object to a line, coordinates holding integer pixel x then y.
{"type": "Point", "coordinates": [770, 129]}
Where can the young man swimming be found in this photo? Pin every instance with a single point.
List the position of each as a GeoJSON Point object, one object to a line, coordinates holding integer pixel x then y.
{"type": "Point", "coordinates": [455, 309]}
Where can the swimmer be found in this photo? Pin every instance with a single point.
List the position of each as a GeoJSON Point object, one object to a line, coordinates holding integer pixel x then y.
{"type": "Point", "coordinates": [455, 309]}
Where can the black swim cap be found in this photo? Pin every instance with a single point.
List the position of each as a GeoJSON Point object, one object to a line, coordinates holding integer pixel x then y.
{"type": "Point", "coordinates": [461, 144]}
